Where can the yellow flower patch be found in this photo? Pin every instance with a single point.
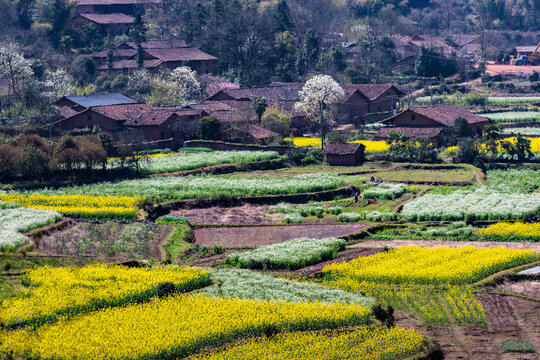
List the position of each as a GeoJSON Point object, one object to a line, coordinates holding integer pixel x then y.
{"type": "Point", "coordinates": [174, 327]}
{"type": "Point", "coordinates": [360, 344]}
{"type": "Point", "coordinates": [55, 292]}
{"type": "Point", "coordinates": [516, 230]}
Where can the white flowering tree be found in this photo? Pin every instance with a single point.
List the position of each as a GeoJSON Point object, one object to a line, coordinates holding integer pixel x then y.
{"type": "Point", "coordinates": [60, 82]}
{"type": "Point", "coordinates": [186, 82]}
{"type": "Point", "coordinates": [318, 98]}
{"type": "Point", "coordinates": [138, 84]}
{"type": "Point", "coordinates": [14, 66]}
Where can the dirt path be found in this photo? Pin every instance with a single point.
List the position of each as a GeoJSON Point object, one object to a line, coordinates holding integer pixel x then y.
{"type": "Point", "coordinates": [534, 246]}
{"type": "Point", "coordinates": [479, 178]}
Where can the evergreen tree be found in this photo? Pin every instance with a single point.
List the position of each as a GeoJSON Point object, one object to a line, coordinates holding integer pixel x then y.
{"type": "Point", "coordinates": [140, 56]}
{"type": "Point", "coordinates": [138, 30]}
{"type": "Point", "coordinates": [283, 16]}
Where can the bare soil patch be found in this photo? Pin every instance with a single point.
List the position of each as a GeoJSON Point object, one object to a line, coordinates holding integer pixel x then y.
{"type": "Point", "coordinates": [526, 287]}
{"type": "Point", "coordinates": [105, 240]}
{"type": "Point", "coordinates": [254, 236]}
{"type": "Point", "coordinates": [509, 318]}
{"type": "Point", "coordinates": [245, 214]}
{"type": "Point", "coordinates": [506, 69]}
{"type": "Point", "coordinates": [534, 246]}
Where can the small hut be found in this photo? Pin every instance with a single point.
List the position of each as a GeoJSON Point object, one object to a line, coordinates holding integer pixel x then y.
{"type": "Point", "coordinates": [349, 154]}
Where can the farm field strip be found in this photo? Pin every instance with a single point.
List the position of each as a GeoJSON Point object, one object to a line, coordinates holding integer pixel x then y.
{"type": "Point", "coordinates": [55, 292]}
{"type": "Point", "coordinates": [14, 220]}
{"type": "Point", "coordinates": [421, 265]}
{"type": "Point", "coordinates": [371, 146]}
{"type": "Point", "coordinates": [293, 254]}
{"type": "Point", "coordinates": [245, 284]}
{"type": "Point", "coordinates": [362, 344]}
{"type": "Point", "coordinates": [493, 100]}
{"type": "Point", "coordinates": [90, 207]}
{"type": "Point", "coordinates": [207, 186]}
{"type": "Point", "coordinates": [513, 116]}
{"type": "Point", "coordinates": [190, 161]}
{"type": "Point", "coordinates": [178, 326]}
{"type": "Point", "coordinates": [517, 231]}
{"type": "Point", "coordinates": [525, 131]}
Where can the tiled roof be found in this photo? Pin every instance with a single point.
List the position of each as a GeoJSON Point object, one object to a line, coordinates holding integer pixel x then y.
{"type": "Point", "coordinates": [100, 99]}
{"type": "Point", "coordinates": [462, 40]}
{"type": "Point", "coordinates": [214, 106]}
{"type": "Point", "coordinates": [258, 132]}
{"type": "Point", "coordinates": [371, 91]}
{"type": "Point", "coordinates": [116, 18]}
{"type": "Point", "coordinates": [180, 54]}
{"type": "Point", "coordinates": [411, 131]}
{"type": "Point", "coordinates": [66, 111]}
{"type": "Point", "coordinates": [159, 44]}
{"type": "Point", "coordinates": [116, 53]}
{"type": "Point", "coordinates": [132, 64]}
{"type": "Point", "coordinates": [342, 148]}
{"type": "Point", "coordinates": [443, 114]}
{"type": "Point", "coordinates": [122, 112]}
{"type": "Point", "coordinates": [117, 2]}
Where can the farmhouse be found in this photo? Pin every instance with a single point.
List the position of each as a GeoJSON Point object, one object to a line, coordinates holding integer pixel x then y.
{"type": "Point", "coordinates": [346, 154]}
{"type": "Point", "coordinates": [435, 122]}
{"type": "Point", "coordinates": [134, 123]}
{"type": "Point", "coordinates": [107, 24]}
{"type": "Point", "coordinates": [83, 102]}
{"type": "Point", "coordinates": [157, 54]}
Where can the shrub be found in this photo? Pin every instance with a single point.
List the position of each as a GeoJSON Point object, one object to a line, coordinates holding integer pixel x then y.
{"type": "Point", "coordinates": [218, 249]}
{"type": "Point", "coordinates": [165, 289]}
{"type": "Point", "coordinates": [517, 346]}
{"type": "Point", "coordinates": [349, 217]}
{"type": "Point", "coordinates": [293, 218]}
{"type": "Point", "coordinates": [209, 128]}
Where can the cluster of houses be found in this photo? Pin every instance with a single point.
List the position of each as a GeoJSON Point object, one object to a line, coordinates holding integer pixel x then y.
{"type": "Point", "coordinates": [137, 123]}
{"type": "Point", "coordinates": [115, 17]}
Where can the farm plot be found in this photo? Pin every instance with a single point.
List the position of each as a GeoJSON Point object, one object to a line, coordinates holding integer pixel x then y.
{"type": "Point", "coordinates": [89, 207]}
{"type": "Point", "coordinates": [15, 220]}
{"type": "Point", "coordinates": [174, 327]}
{"type": "Point", "coordinates": [207, 186]}
{"type": "Point", "coordinates": [245, 284]}
{"type": "Point", "coordinates": [510, 181]}
{"type": "Point", "coordinates": [429, 283]}
{"type": "Point", "coordinates": [106, 240]}
{"type": "Point", "coordinates": [292, 254]}
{"type": "Point", "coordinates": [513, 116]}
{"type": "Point", "coordinates": [525, 131]}
{"type": "Point", "coordinates": [517, 231]}
{"type": "Point", "coordinates": [492, 100]}
{"type": "Point", "coordinates": [253, 236]}
{"type": "Point", "coordinates": [420, 265]}
{"type": "Point", "coordinates": [195, 160]}
{"type": "Point", "coordinates": [362, 344]}
{"type": "Point", "coordinates": [456, 230]}
{"type": "Point", "coordinates": [53, 293]}
{"type": "Point", "coordinates": [371, 146]}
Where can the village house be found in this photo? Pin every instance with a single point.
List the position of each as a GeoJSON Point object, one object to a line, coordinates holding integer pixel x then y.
{"type": "Point", "coordinates": [344, 154]}
{"type": "Point", "coordinates": [71, 104]}
{"type": "Point", "coordinates": [359, 101]}
{"type": "Point", "coordinates": [157, 55]}
{"type": "Point", "coordinates": [107, 24]}
{"type": "Point", "coordinates": [435, 122]}
{"type": "Point", "coordinates": [134, 123]}
{"type": "Point", "coordinates": [128, 7]}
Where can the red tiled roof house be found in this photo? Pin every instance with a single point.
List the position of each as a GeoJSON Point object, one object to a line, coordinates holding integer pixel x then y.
{"type": "Point", "coordinates": [348, 154]}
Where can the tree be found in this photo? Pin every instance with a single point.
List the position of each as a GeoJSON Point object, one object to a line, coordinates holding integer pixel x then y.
{"type": "Point", "coordinates": [138, 85]}
{"type": "Point", "coordinates": [110, 59]}
{"type": "Point", "coordinates": [469, 150]}
{"type": "Point", "coordinates": [140, 56]}
{"type": "Point", "coordinates": [137, 31]}
{"type": "Point", "coordinates": [84, 68]}
{"type": "Point", "coordinates": [92, 149]}
{"type": "Point", "coordinates": [66, 154]}
{"type": "Point", "coordinates": [492, 133]}
{"type": "Point", "coordinates": [60, 81]}
{"type": "Point", "coordinates": [209, 128]}
{"type": "Point", "coordinates": [285, 53]}
{"type": "Point", "coordinates": [317, 99]}
{"type": "Point", "coordinates": [277, 120]}
{"type": "Point", "coordinates": [9, 156]}
{"type": "Point", "coordinates": [308, 56]}
{"type": "Point", "coordinates": [14, 66]}
{"type": "Point", "coordinates": [260, 105]}
{"type": "Point", "coordinates": [186, 82]}
{"type": "Point", "coordinates": [461, 127]}
{"type": "Point", "coordinates": [523, 148]}
{"type": "Point", "coordinates": [283, 16]}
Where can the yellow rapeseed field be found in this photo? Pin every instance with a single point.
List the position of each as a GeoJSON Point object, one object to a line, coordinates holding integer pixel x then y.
{"type": "Point", "coordinates": [174, 327]}
{"type": "Point", "coordinates": [150, 156]}
{"type": "Point", "coordinates": [53, 292]}
{"type": "Point", "coordinates": [514, 230]}
{"type": "Point", "coordinates": [91, 207]}
{"type": "Point", "coordinates": [361, 344]}
{"type": "Point", "coordinates": [438, 265]}
{"type": "Point", "coordinates": [435, 304]}
{"type": "Point", "coordinates": [371, 146]}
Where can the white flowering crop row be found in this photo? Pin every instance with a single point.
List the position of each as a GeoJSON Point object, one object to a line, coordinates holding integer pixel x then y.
{"type": "Point", "coordinates": [208, 186]}
{"type": "Point", "coordinates": [483, 203]}
{"type": "Point", "coordinates": [293, 254]}
{"type": "Point", "coordinates": [189, 161]}
{"type": "Point", "coordinates": [246, 284]}
{"type": "Point", "coordinates": [13, 221]}
{"type": "Point", "coordinates": [385, 191]}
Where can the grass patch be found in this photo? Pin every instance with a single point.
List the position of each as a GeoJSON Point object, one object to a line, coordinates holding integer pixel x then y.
{"type": "Point", "coordinates": [179, 243]}
{"type": "Point", "coordinates": [517, 346]}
